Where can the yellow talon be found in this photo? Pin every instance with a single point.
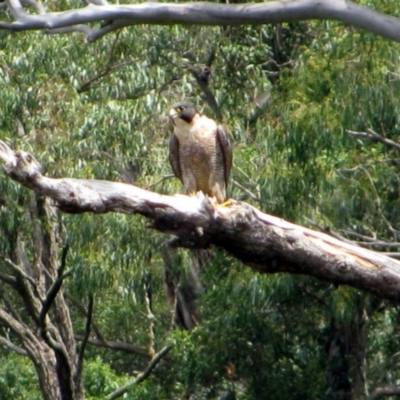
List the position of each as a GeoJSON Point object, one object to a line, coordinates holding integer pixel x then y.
{"type": "Point", "coordinates": [226, 203]}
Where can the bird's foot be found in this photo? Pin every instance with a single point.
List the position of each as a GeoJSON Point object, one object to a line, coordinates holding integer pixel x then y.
{"type": "Point", "coordinates": [226, 203]}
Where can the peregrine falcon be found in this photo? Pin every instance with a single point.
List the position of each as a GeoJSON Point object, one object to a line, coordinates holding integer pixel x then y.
{"type": "Point", "coordinates": [199, 152]}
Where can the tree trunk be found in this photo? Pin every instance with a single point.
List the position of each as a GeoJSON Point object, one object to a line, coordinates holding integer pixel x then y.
{"type": "Point", "coordinates": [43, 326]}
{"type": "Point", "coordinates": [346, 357]}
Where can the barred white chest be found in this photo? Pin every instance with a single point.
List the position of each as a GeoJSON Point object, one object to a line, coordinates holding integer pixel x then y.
{"type": "Point", "coordinates": [201, 131]}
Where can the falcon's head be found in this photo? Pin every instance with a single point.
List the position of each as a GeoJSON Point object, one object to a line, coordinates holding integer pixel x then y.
{"type": "Point", "coordinates": [183, 111]}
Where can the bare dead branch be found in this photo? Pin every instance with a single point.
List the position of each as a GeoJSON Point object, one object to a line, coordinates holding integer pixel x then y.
{"type": "Point", "coordinates": [48, 332]}
{"type": "Point", "coordinates": [143, 375]}
{"type": "Point", "coordinates": [202, 77]}
{"type": "Point", "coordinates": [107, 71]}
{"type": "Point", "coordinates": [202, 13]}
{"type": "Point", "coordinates": [16, 9]}
{"type": "Point", "coordinates": [20, 272]}
{"type": "Point", "coordinates": [163, 179]}
{"type": "Point", "coordinates": [372, 135]}
{"type": "Point", "coordinates": [69, 29]}
{"type": "Point", "coordinates": [28, 289]}
{"type": "Point", "coordinates": [11, 346]}
{"type": "Point", "coordinates": [54, 288]}
{"type": "Point", "coordinates": [114, 345]}
{"type": "Point", "coordinates": [98, 2]}
{"type": "Point", "coordinates": [36, 5]}
{"type": "Point", "coordinates": [8, 279]}
{"type": "Point", "coordinates": [10, 308]}
{"type": "Point", "coordinates": [379, 243]}
{"type": "Point", "coordinates": [360, 236]}
{"type": "Point", "coordinates": [265, 243]}
{"type": "Point", "coordinates": [327, 230]}
{"type": "Point", "coordinates": [21, 330]}
{"type": "Point", "coordinates": [82, 309]}
{"type": "Point", "coordinates": [384, 391]}
{"type": "Point", "coordinates": [150, 317]}
{"type": "Point", "coordinates": [247, 191]}
{"type": "Point", "coordinates": [370, 164]}
{"type": "Point", "coordinates": [368, 243]}
{"type": "Point", "coordinates": [392, 255]}
{"type": "Point", "coordinates": [85, 337]}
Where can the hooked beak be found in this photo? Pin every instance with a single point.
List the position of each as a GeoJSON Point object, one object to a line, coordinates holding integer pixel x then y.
{"type": "Point", "coordinates": [173, 113]}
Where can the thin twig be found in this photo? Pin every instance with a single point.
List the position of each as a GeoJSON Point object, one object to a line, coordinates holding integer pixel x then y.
{"type": "Point", "coordinates": [202, 13]}
{"type": "Point", "coordinates": [379, 243]}
{"type": "Point", "coordinates": [384, 391]}
{"type": "Point", "coordinates": [117, 346]}
{"type": "Point", "coordinates": [327, 229]}
{"type": "Point", "coordinates": [85, 336]}
{"type": "Point", "coordinates": [247, 191]}
{"type": "Point", "coordinates": [143, 375]}
{"type": "Point", "coordinates": [369, 165]}
{"type": "Point", "coordinates": [82, 309]}
{"type": "Point", "coordinates": [392, 255]}
{"type": "Point", "coordinates": [150, 318]}
{"type": "Point", "coordinates": [370, 134]}
{"type": "Point", "coordinates": [107, 71]}
{"type": "Point", "coordinates": [358, 235]}
{"type": "Point", "coordinates": [164, 178]}
{"type": "Point", "coordinates": [202, 76]}
{"type": "Point", "coordinates": [378, 201]}
{"type": "Point", "coordinates": [11, 346]}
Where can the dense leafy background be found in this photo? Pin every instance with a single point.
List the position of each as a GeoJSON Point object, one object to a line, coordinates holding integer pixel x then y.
{"type": "Point", "coordinates": [288, 94]}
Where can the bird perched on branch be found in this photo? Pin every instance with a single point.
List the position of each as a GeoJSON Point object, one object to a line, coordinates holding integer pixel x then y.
{"type": "Point", "coordinates": [199, 152]}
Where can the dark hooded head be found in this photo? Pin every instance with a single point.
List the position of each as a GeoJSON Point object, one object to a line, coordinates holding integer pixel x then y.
{"type": "Point", "coordinates": [183, 110]}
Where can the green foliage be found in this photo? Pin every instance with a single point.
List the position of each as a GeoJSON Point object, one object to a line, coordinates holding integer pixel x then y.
{"type": "Point", "coordinates": [100, 380]}
{"type": "Point", "coordinates": [18, 378]}
{"type": "Point", "coordinates": [256, 346]}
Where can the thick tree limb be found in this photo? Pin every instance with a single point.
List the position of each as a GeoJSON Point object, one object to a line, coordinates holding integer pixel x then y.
{"type": "Point", "coordinates": [199, 13]}
{"type": "Point", "coordinates": [20, 271]}
{"type": "Point", "coordinates": [265, 243]}
{"type": "Point", "coordinates": [27, 288]}
{"type": "Point", "coordinates": [21, 330]}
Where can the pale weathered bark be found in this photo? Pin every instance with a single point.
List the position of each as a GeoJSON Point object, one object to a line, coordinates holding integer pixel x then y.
{"type": "Point", "coordinates": [265, 243]}
{"type": "Point", "coordinates": [196, 13]}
